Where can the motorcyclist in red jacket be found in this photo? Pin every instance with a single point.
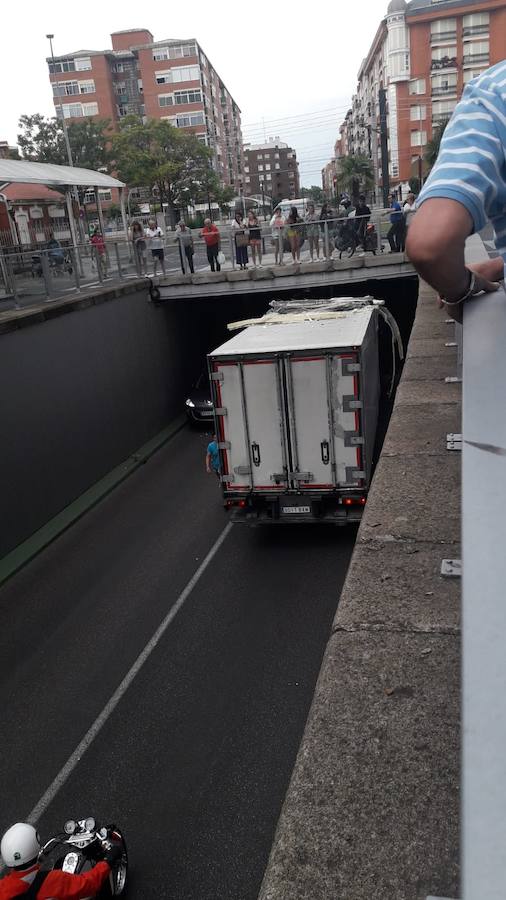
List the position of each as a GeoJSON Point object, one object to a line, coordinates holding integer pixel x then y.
{"type": "Point", "coordinates": [20, 848]}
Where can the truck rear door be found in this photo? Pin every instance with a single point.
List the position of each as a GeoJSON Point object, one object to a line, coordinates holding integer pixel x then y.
{"type": "Point", "coordinates": [324, 420]}
{"type": "Point", "coordinates": [252, 432]}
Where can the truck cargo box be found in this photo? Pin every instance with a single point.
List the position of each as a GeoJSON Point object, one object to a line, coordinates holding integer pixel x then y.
{"type": "Point", "coordinates": [296, 408]}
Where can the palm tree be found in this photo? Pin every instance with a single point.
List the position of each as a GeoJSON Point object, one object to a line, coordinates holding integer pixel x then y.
{"type": "Point", "coordinates": [432, 147]}
{"type": "Point", "coordinates": [356, 173]}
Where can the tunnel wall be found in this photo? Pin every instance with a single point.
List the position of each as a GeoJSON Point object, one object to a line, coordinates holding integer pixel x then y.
{"type": "Point", "coordinates": [81, 392]}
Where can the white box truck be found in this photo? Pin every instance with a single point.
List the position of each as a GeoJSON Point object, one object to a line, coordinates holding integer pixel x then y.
{"type": "Point", "coordinates": [296, 407]}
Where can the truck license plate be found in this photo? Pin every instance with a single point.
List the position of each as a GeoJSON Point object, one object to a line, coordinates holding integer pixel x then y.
{"type": "Point", "coordinates": [207, 412]}
{"type": "Point", "coordinates": [293, 510]}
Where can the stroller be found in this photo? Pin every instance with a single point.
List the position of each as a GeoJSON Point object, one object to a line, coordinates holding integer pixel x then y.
{"type": "Point", "coordinates": [346, 239]}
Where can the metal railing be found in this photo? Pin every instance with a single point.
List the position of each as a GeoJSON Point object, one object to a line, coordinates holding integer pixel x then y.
{"type": "Point", "coordinates": [41, 274]}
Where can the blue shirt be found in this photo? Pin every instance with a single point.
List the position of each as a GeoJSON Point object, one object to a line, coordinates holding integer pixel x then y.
{"type": "Point", "coordinates": [213, 451]}
{"type": "Point", "coordinates": [396, 216]}
{"type": "Point", "coordinates": [471, 166]}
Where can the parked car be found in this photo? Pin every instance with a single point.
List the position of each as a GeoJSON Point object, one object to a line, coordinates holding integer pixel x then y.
{"type": "Point", "coordinates": [198, 404]}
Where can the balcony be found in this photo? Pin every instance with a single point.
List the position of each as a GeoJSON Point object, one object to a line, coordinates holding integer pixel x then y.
{"type": "Point", "coordinates": [447, 62]}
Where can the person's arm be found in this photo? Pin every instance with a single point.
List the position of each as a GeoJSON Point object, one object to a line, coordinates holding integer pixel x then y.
{"type": "Point", "coordinates": [208, 463]}
{"type": "Point", "coordinates": [76, 887]}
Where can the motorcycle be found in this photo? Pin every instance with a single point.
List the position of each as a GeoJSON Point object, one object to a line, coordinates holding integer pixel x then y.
{"type": "Point", "coordinates": [81, 845]}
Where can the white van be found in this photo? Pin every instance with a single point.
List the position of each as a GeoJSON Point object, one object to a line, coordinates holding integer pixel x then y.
{"type": "Point", "coordinates": [300, 204]}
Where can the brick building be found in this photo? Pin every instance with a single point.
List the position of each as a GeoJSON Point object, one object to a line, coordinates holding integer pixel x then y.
{"type": "Point", "coordinates": [170, 79]}
{"type": "Point", "coordinates": [422, 56]}
{"type": "Point", "coordinates": [274, 167]}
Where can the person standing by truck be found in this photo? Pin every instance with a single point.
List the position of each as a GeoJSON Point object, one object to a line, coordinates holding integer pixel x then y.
{"type": "Point", "coordinates": [213, 457]}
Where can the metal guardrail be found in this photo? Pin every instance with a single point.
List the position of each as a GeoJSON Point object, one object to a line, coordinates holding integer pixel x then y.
{"type": "Point", "coordinates": [37, 275]}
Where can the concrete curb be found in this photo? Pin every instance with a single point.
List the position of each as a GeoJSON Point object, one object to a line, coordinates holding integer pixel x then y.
{"type": "Point", "coordinates": [372, 810]}
{"type": "Point", "coordinates": [26, 551]}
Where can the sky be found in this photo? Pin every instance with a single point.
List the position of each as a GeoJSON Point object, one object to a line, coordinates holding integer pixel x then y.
{"type": "Point", "coordinates": [292, 69]}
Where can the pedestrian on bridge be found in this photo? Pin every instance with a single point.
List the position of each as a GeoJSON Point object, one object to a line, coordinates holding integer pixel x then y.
{"type": "Point", "coordinates": [277, 225]}
{"type": "Point", "coordinates": [138, 239]}
{"type": "Point", "coordinates": [186, 250]}
{"type": "Point", "coordinates": [293, 233]}
{"type": "Point", "coordinates": [312, 231]}
{"type": "Point", "coordinates": [465, 190]}
{"type": "Point", "coordinates": [241, 240]}
{"type": "Point", "coordinates": [396, 233]}
{"type": "Point", "coordinates": [155, 236]}
{"type": "Point", "coordinates": [211, 235]}
{"type": "Point", "coordinates": [255, 237]}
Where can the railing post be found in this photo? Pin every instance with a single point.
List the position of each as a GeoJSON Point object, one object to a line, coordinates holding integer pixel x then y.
{"type": "Point", "coordinates": [75, 271]}
{"type": "Point", "coordinates": [281, 238]}
{"type": "Point", "coordinates": [99, 263]}
{"type": "Point", "coordinates": [46, 274]}
{"type": "Point", "coordinates": [12, 280]}
{"type": "Point", "coordinates": [326, 238]}
{"type": "Point", "coordinates": [232, 248]}
{"type": "Point", "coordinates": [118, 261]}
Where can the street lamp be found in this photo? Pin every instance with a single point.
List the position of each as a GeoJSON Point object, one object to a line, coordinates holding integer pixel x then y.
{"type": "Point", "coordinates": [65, 132]}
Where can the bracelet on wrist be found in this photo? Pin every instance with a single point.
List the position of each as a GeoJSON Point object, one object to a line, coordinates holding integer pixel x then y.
{"type": "Point", "coordinates": [469, 293]}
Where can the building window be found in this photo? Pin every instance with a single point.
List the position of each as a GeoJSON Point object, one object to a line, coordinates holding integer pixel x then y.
{"type": "Point", "coordinates": [86, 87]}
{"type": "Point", "coordinates": [476, 52]}
{"type": "Point", "coordinates": [442, 109]}
{"type": "Point", "coordinates": [269, 177]}
{"type": "Point", "coordinates": [246, 169]}
{"type": "Point", "coordinates": [276, 156]}
{"type": "Point", "coordinates": [444, 84]}
{"type": "Point", "coordinates": [182, 97]}
{"type": "Point", "coordinates": [189, 120]}
{"type": "Point", "coordinates": [247, 179]}
{"type": "Point", "coordinates": [442, 29]}
{"type": "Point", "coordinates": [178, 74]}
{"type": "Point", "coordinates": [444, 57]}
{"type": "Point", "coordinates": [469, 74]}
{"type": "Point", "coordinates": [260, 156]}
{"type": "Point", "coordinates": [268, 167]}
{"type": "Point", "coordinates": [475, 23]}
{"type": "Point", "coordinates": [62, 65]}
{"type": "Point", "coordinates": [65, 88]}
{"type": "Point", "coordinates": [418, 138]}
{"type": "Point", "coordinates": [417, 86]}
{"type": "Point", "coordinates": [260, 168]}
{"type": "Point", "coordinates": [418, 113]}
{"type": "Point", "coordinates": [276, 165]}
{"type": "Point", "coordinates": [176, 51]}
{"type": "Point", "coordinates": [83, 63]}
{"type": "Point", "coordinates": [165, 100]}
{"type": "Point", "coordinates": [122, 110]}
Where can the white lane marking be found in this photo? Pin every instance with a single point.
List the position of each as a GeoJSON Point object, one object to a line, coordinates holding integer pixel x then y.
{"type": "Point", "coordinates": [92, 733]}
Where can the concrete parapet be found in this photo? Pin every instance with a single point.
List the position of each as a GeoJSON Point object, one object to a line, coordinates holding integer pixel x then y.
{"type": "Point", "coordinates": [237, 275]}
{"type": "Point", "coordinates": [384, 259]}
{"type": "Point", "coordinates": [320, 265]}
{"type": "Point", "coordinates": [262, 273]}
{"type": "Point", "coordinates": [176, 279]}
{"type": "Point", "coordinates": [284, 271]}
{"type": "Point", "coordinates": [208, 277]}
{"type": "Point", "coordinates": [372, 811]}
{"type": "Point", "coordinates": [354, 262]}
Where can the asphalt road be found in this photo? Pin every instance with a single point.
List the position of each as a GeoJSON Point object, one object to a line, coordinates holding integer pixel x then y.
{"type": "Point", "coordinates": [194, 761]}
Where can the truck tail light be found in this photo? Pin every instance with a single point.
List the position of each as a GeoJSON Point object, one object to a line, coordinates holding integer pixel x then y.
{"type": "Point", "coordinates": [354, 501]}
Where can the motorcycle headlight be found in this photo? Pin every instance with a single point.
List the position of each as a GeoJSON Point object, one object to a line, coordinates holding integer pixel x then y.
{"type": "Point", "coordinates": [69, 827]}
{"type": "Point", "coordinates": [89, 824]}
{"type": "Point", "coordinates": [190, 403]}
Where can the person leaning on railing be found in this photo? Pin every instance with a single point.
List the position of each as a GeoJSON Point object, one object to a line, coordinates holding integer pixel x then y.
{"type": "Point", "coordinates": [465, 190]}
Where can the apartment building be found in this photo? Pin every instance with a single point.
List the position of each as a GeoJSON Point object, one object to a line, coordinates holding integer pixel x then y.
{"type": "Point", "coordinates": [330, 172]}
{"type": "Point", "coordinates": [171, 79]}
{"type": "Point", "coordinates": [271, 167]}
{"type": "Point", "coordinates": [422, 56]}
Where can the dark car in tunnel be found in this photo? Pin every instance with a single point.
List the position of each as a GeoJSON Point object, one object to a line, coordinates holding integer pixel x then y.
{"type": "Point", "coordinates": [198, 404]}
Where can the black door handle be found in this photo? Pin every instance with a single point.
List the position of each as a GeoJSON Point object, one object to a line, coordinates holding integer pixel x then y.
{"type": "Point", "coordinates": [325, 452]}
{"type": "Point", "coordinates": [255, 449]}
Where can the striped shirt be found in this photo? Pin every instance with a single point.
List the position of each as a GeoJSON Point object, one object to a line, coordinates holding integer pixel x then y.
{"type": "Point", "coordinates": [471, 166]}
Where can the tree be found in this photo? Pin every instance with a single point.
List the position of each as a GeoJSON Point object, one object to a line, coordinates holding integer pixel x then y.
{"type": "Point", "coordinates": [356, 173]}
{"type": "Point", "coordinates": [432, 147]}
{"type": "Point", "coordinates": [42, 140]}
{"type": "Point", "coordinates": [157, 155]}
{"type": "Point", "coordinates": [316, 194]}
{"type": "Point", "coordinates": [414, 184]}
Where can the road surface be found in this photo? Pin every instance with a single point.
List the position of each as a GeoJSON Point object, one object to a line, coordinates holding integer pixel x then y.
{"type": "Point", "coordinates": [194, 758]}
